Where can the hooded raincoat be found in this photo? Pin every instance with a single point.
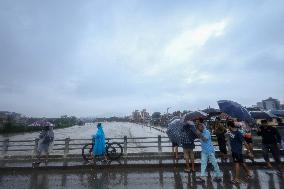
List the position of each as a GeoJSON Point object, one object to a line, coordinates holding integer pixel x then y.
{"type": "Point", "coordinates": [99, 141]}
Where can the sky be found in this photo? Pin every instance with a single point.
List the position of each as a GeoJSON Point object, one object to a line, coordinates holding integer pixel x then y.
{"type": "Point", "coordinates": [106, 58]}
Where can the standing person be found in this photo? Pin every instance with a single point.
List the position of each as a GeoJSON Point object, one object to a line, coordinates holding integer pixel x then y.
{"type": "Point", "coordinates": [248, 138]}
{"type": "Point", "coordinates": [220, 132]}
{"type": "Point", "coordinates": [271, 141]}
{"type": "Point", "coordinates": [173, 130]}
{"type": "Point", "coordinates": [99, 142]}
{"type": "Point", "coordinates": [208, 153]}
{"type": "Point", "coordinates": [188, 134]}
{"type": "Point", "coordinates": [236, 142]}
{"type": "Point", "coordinates": [280, 128]}
{"type": "Point", "coordinates": [46, 138]}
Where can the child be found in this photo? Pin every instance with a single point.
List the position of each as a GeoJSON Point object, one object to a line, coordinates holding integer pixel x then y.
{"type": "Point", "coordinates": [208, 152]}
{"type": "Point", "coordinates": [237, 141]}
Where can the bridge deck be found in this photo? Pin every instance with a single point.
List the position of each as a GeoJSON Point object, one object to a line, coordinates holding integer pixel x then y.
{"type": "Point", "coordinates": [136, 177]}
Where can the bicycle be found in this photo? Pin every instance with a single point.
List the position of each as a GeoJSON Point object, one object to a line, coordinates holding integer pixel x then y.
{"type": "Point", "coordinates": [113, 150]}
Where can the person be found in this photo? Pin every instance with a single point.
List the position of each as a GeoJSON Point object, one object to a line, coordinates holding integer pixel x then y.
{"type": "Point", "coordinates": [46, 138]}
{"type": "Point", "coordinates": [248, 138]}
{"type": "Point", "coordinates": [173, 130]}
{"type": "Point", "coordinates": [220, 132]}
{"type": "Point", "coordinates": [99, 142]}
{"type": "Point", "coordinates": [207, 153]}
{"type": "Point", "coordinates": [188, 134]}
{"type": "Point", "coordinates": [271, 141]}
{"type": "Point", "coordinates": [236, 143]}
{"type": "Point", "coordinates": [280, 128]}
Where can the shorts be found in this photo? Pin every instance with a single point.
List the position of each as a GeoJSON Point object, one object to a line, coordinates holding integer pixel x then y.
{"type": "Point", "coordinates": [188, 153]}
{"type": "Point", "coordinates": [188, 146]}
{"type": "Point", "coordinates": [188, 150]}
{"type": "Point", "coordinates": [248, 140]}
{"type": "Point", "coordinates": [237, 158]}
{"type": "Point", "coordinates": [174, 144]}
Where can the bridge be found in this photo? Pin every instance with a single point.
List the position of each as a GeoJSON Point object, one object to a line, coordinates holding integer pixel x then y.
{"type": "Point", "coordinates": [146, 163]}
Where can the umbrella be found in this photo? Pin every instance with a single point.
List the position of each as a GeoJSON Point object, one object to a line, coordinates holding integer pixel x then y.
{"type": "Point", "coordinates": [212, 111]}
{"type": "Point", "coordinates": [235, 110]}
{"type": "Point", "coordinates": [42, 123]}
{"type": "Point", "coordinates": [260, 115]}
{"type": "Point", "coordinates": [279, 113]}
{"type": "Point", "coordinates": [174, 130]}
{"type": "Point", "coordinates": [194, 115]}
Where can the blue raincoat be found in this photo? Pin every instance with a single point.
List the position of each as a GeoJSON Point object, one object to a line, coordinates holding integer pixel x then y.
{"type": "Point", "coordinates": [99, 141]}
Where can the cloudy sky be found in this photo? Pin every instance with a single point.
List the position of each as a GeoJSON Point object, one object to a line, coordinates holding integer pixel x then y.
{"type": "Point", "coordinates": [104, 58]}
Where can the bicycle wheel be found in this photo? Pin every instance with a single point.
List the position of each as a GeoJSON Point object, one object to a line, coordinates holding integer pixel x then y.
{"type": "Point", "coordinates": [114, 150]}
{"type": "Point", "coordinates": [87, 152]}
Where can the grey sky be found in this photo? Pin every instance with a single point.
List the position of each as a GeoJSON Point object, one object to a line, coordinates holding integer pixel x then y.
{"type": "Point", "coordinates": [103, 58]}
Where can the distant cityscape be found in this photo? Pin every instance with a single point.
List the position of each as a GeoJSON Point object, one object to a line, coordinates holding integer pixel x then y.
{"type": "Point", "coordinates": [138, 116]}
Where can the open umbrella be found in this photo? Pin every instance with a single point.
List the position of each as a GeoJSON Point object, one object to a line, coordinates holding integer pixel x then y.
{"type": "Point", "coordinates": [235, 110]}
{"type": "Point", "coordinates": [42, 123]}
{"type": "Point", "coordinates": [194, 115]}
{"type": "Point", "coordinates": [174, 130]}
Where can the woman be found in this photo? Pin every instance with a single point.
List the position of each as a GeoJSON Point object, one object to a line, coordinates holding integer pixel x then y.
{"type": "Point", "coordinates": [99, 142]}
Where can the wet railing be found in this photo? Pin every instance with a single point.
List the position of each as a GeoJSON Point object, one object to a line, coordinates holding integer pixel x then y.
{"type": "Point", "coordinates": [70, 146]}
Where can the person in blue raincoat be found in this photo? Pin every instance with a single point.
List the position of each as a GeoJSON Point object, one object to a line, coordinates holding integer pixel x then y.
{"type": "Point", "coordinates": [99, 142]}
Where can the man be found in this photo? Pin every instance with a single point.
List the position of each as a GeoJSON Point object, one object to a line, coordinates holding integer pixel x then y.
{"type": "Point", "coordinates": [188, 134]}
{"type": "Point", "coordinates": [220, 132]}
{"type": "Point", "coordinates": [236, 143]}
{"type": "Point", "coordinates": [271, 141]}
{"type": "Point", "coordinates": [280, 128]}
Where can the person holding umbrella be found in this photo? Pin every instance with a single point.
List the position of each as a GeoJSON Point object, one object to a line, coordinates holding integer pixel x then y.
{"type": "Point", "coordinates": [187, 136]}
{"type": "Point", "coordinates": [46, 138]}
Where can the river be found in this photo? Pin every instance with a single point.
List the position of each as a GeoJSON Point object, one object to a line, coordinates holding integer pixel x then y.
{"type": "Point", "coordinates": [111, 129]}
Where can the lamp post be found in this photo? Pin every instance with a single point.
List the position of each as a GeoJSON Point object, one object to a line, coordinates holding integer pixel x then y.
{"type": "Point", "coordinates": [168, 110]}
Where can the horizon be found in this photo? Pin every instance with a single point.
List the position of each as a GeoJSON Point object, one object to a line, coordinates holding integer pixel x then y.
{"type": "Point", "coordinates": [110, 58]}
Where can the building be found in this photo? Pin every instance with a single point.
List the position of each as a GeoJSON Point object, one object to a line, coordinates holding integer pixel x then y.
{"type": "Point", "coordinates": [271, 104]}
{"type": "Point", "coordinates": [260, 105]}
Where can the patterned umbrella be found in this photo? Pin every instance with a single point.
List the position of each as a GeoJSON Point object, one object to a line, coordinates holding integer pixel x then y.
{"type": "Point", "coordinates": [174, 130]}
{"type": "Point", "coordinates": [42, 123]}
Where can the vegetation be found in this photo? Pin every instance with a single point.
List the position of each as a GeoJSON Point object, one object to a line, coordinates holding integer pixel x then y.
{"type": "Point", "coordinates": [11, 125]}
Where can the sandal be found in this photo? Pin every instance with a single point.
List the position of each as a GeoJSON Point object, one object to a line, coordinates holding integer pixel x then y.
{"type": "Point", "coordinates": [200, 179]}
{"type": "Point", "coordinates": [235, 182]}
{"type": "Point", "coordinates": [249, 176]}
{"type": "Point", "coordinates": [187, 170]}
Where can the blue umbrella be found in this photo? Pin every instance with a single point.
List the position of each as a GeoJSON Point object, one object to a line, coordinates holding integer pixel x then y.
{"type": "Point", "coordinates": [235, 110]}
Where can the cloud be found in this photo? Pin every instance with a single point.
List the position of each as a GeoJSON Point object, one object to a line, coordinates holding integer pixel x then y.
{"type": "Point", "coordinates": [101, 58]}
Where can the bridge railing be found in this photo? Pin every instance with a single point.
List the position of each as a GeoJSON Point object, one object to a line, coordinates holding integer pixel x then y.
{"type": "Point", "coordinates": [73, 146]}
{"type": "Point", "coordinates": [68, 146]}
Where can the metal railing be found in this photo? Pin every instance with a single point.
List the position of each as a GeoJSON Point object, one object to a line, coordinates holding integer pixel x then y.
{"type": "Point", "coordinates": [70, 146]}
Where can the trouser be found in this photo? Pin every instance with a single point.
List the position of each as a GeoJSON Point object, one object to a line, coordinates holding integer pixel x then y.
{"type": "Point", "coordinates": [222, 144]}
{"type": "Point", "coordinates": [266, 148]}
{"type": "Point", "coordinates": [213, 161]}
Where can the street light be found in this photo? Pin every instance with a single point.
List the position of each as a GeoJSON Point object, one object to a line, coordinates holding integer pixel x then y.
{"type": "Point", "coordinates": [168, 109]}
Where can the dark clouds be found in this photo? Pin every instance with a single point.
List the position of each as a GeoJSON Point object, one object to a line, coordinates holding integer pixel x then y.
{"type": "Point", "coordinates": [103, 58]}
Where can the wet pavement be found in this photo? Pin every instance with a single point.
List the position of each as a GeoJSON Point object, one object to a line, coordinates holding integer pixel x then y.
{"type": "Point", "coordinates": [135, 177]}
